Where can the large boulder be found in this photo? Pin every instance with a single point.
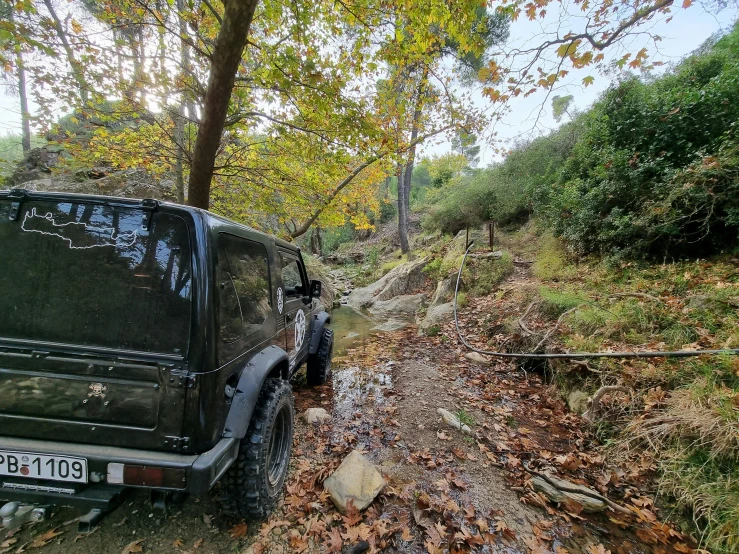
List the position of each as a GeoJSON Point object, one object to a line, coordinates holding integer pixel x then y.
{"type": "Point", "coordinates": [436, 315]}
{"type": "Point", "coordinates": [401, 280]}
{"type": "Point", "coordinates": [316, 270]}
{"type": "Point", "coordinates": [444, 291]}
{"type": "Point", "coordinates": [130, 183]}
{"type": "Point", "coordinates": [356, 480]}
{"type": "Point", "coordinates": [405, 304]}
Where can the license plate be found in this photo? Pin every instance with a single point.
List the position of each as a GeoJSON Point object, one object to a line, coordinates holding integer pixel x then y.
{"type": "Point", "coordinates": [42, 466]}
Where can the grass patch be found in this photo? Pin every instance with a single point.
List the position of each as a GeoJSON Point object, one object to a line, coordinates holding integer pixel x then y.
{"type": "Point", "coordinates": [464, 417]}
{"type": "Point", "coordinates": [551, 262]}
{"type": "Point", "coordinates": [484, 275]}
{"type": "Point", "coordinates": [433, 331]}
{"type": "Point", "coordinates": [709, 488]}
{"type": "Point", "coordinates": [555, 302]}
{"type": "Point", "coordinates": [433, 269]}
{"type": "Point", "coordinates": [387, 267]}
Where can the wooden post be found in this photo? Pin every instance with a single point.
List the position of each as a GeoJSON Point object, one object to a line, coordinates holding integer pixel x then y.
{"type": "Point", "coordinates": [491, 233]}
{"type": "Point", "coordinates": [466, 237]}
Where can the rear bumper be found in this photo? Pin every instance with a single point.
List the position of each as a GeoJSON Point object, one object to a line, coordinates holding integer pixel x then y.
{"type": "Point", "coordinates": [201, 470]}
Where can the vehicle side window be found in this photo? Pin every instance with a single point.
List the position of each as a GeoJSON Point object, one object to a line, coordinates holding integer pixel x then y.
{"type": "Point", "coordinates": [243, 285]}
{"type": "Point", "coordinates": [292, 278]}
{"type": "Point", "coordinates": [229, 313]}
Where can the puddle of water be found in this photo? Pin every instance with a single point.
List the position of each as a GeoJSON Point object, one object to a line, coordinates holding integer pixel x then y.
{"type": "Point", "coordinates": [358, 387]}
{"type": "Point", "coordinates": [354, 387]}
{"type": "Point", "coordinates": [350, 328]}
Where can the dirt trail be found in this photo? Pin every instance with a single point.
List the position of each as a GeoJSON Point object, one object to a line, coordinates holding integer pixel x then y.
{"type": "Point", "coordinates": [446, 492]}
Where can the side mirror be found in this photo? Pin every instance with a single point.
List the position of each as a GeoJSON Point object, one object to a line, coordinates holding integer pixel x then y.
{"type": "Point", "coordinates": [315, 289]}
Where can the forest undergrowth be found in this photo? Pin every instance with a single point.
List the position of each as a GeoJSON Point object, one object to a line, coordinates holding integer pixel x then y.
{"type": "Point", "coordinates": [682, 414]}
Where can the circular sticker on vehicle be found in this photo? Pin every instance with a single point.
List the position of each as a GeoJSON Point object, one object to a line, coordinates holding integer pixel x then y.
{"type": "Point", "coordinates": [299, 329]}
{"type": "Point", "coordinates": [280, 300]}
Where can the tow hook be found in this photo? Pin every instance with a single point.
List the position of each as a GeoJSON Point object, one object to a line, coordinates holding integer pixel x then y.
{"type": "Point", "coordinates": [15, 514]}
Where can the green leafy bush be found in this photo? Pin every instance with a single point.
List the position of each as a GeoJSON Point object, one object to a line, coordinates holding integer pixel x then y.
{"type": "Point", "coordinates": [655, 173]}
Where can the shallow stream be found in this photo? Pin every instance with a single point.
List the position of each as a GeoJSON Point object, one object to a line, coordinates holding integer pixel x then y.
{"type": "Point", "coordinates": [350, 328]}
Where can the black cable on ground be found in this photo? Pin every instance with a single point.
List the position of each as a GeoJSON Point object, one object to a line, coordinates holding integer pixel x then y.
{"type": "Point", "coordinates": [573, 355]}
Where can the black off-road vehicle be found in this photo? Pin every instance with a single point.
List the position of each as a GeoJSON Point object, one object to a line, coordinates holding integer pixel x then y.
{"type": "Point", "coordinates": [147, 344]}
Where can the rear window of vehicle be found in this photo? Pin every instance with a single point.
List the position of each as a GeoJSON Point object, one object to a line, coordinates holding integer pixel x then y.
{"type": "Point", "coordinates": [91, 275]}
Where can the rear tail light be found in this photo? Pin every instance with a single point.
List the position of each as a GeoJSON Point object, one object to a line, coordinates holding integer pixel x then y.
{"type": "Point", "coordinates": [146, 476]}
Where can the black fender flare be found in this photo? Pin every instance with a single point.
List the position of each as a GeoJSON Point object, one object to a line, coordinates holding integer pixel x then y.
{"type": "Point", "coordinates": [319, 323]}
{"type": "Point", "coordinates": [274, 361]}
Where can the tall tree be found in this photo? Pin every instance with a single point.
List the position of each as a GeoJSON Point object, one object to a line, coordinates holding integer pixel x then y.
{"type": "Point", "coordinates": [20, 71]}
{"type": "Point", "coordinates": [226, 57]}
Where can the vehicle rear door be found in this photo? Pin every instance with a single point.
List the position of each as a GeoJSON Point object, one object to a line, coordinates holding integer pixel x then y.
{"type": "Point", "coordinates": [95, 321]}
{"type": "Point", "coordinates": [295, 309]}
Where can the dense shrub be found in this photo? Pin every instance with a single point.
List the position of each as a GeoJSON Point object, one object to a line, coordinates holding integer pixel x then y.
{"type": "Point", "coordinates": [655, 173]}
{"type": "Point", "coordinates": [505, 192]}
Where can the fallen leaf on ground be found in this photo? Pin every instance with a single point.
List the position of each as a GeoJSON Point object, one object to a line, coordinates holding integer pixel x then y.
{"type": "Point", "coordinates": [239, 531]}
{"type": "Point", "coordinates": [43, 540]}
{"type": "Point", "coordinates": [134, 547]}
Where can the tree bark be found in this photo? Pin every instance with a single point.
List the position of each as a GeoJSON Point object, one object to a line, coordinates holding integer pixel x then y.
{"type": "Point", "coordinates": [181, 116]}
{"type": "Point", "coordinates": [75, 65]}
{"type": "Point", "coordinates": [179, 166]}
{"type": "Point", "coordinates": [402, 210]}
{"type": "Point", "coordinates": [227, 52]}
{"type": "Point", "coordinates": [25, 114]}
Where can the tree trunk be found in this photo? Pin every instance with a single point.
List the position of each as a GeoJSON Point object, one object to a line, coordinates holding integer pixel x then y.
{"type": "Point", "coordinates": [75, 65]}
{"type": "Point", "coordinates": [119, 55]}
{"type": "Point", "coordinates": [25, 114]}
{"type": "Point", "coordinates": [181, 116]}
{"type": "Point", "coordinates": [405, 247]}
{"type": "Point", "coordinates": [227, 52]}
{"type": "Point", "coordinates": [162, 47]}
{"type": "Point", "coordinates": [315, 242]}
{"type": "Point", "coordinates": [179, 169]}
{"type": "Point", "coordinates": [407, 172]}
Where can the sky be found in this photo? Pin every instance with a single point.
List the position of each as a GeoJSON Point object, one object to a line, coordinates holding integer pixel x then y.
{"type": "Point", "coordinates": [530, 117]}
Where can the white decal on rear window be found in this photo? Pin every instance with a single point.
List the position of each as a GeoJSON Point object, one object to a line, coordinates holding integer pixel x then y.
{"type": "Point", "coordinates": [45, 225]}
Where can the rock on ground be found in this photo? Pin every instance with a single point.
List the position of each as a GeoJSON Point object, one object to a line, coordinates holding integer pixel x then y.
{"type": "Point", "coordinates": [312, 415]}
{"type": "Point", "coordinates": [435, 315]}
{"type": "Point", "coordinates": [391, 325]}
{"type": "Point", "coordinates": [355, 480]}
{"type": "Point", "coordinates": [578, 401]}
{"type": "Point", "coordinates": [403, 304]}
{"type": "Point", "coordinates": [401, 280]}
{"type": "Point", "coordinates": [556, 494]}
{"type": "Point", "coordinates": [444, 291]}
{"type": "Point", "coordinates": [477, 358]}
{"type": "Point", "coordinates": [451, 419]}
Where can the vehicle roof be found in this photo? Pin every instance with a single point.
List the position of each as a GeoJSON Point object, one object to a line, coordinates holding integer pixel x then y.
{"type": "Point", "coordinates": [145, 203]}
